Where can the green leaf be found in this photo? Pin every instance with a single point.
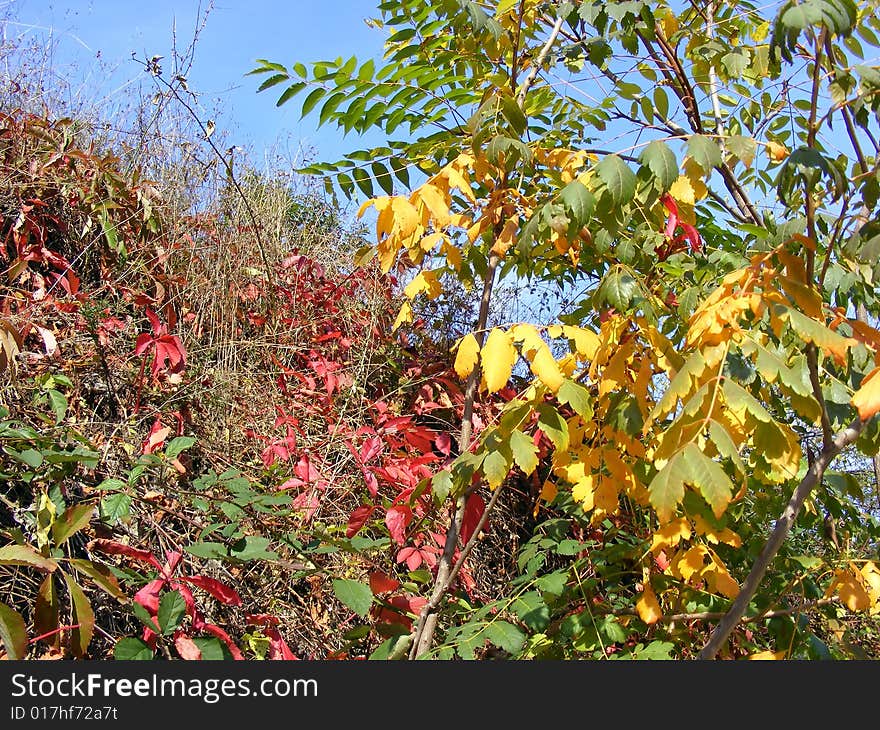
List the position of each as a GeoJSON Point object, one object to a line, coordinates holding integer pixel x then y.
{"type": "Point", "coordinates": [132, 649]}
{"type": "Point", "coordinates": [172, 609]}
{"type": "Point", "coordinates": [311, 100]}
{"type": "Point", "coordinates": [577, 396]}
{"type": "Point", "coordinates": [25, 555]}
{"type": "Point", "coordinates": [363, 181]}
{"type": "Point", "coordinates": [72, 521]}
{"type": "Point", "coordinates": [513, 114]}
{"type": "Point", "coordinates": [31, 457]}
{"type": "Point", "coordinates": [531, 609]}
{"type": "Point", "coordinates": [660, 160]}
{"type": "Point", "coordinates": [553, 425]}
{"type": "Point", "coordinates": [553, 583]}
{"type": "Point", "coordinates": [704, 151]}
{"type": "Point", "coordinates": [144, 617]}
{"type": "Point", "coordinates": [208, 550]}
{"type": "Point", "coordinates": [618, 178]}
{"type": "Point", "coordinates": [393, 648]}
{"type": "Point", "coordinates": [666, 489]}
{"type": "Point", "coordinates": [101, 575]}
{"type": "Point", "coordinates": [357, 596]}
{"type": "Point", "coordinates": [252, 547]}
{"type": "Point", "coordinates": [58, 404]}
{"type": "Point", "coordinates": [83, 616]}
{"type": "Point", "coordinates": [506, 636]}
{"type": "Point", "coordinates": [211, 648]}
{"type": "Point", "coordinates": [708, 476]}
{"type": "Point", "coordinates": [13, 633]}
{"type": "Point", "coordinates": [579, 204]}
{"type": "Point", "coordinates": [496, 466]}
{"type": "Point", "coordinates": [525, 453]}
{"type": "Point", "coordinates": [618, 289]}
{"type": "Point", "coordinates": [177, 445]}
{"type": "Point", "coordinates": [115, 508]}
{"type": "Point", "coordinates": [273, 80]}
{"type": "Point", "coordinates": [383, 177]}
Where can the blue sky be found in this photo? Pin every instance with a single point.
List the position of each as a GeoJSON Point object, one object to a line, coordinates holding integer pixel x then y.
{"type": "Point", "coordinates": [237, 32]}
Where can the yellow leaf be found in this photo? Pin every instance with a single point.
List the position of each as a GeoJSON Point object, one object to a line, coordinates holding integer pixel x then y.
{"type": "Point", "coordinates": [498, 356]}
{"type": "Point", "coordinates": [776, 152]}
{"type": "Point", "coordinates": [767, 655]}
{"type": "Point", "coordinates": [683, 191]}
{"type": "Point", "coordinates": [851, 589]}
{"type": "Point", "coordinates": [452, 253]}
{"type": "Point", "coordinates": [670, 535]}
{"type": "Point", "coordinates": [546, 368]}
{"type": "Point", "coordinates": [694, 174]}
{"type": "Point", "coordinates": [726, 536]}
{"type": "Point", "coordinates": [467, 355]}
{"type": "Point", "coordinates": [867, 397]}
{"type": "Point", "coordinates": [405, 315]}
{"type": "Point", "coordinates": [425, 281]}
{"type": "Point", "coordinates": [586, 342]}
{"type": "Point", "coordinates": [648, 607]}
{"type": "Point", "coordinates": [584, 490]}
{"type": "Point", "coordinates": [506, 237]}
{"type": "Point", "coordinates": [692, 562]}
{"type": "Point", "coordinates": [435, 201]}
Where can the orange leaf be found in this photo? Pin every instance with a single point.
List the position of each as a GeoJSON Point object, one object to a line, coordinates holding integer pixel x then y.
{"type": "Point", "coordinates": [867, 397]}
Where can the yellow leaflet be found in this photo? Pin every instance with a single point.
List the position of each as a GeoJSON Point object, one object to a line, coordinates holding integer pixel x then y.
{"type": "Point", "coordinates": [452, 253]}
{"type": "Point", "coordinates": [694, 173]}
{"type": "Point", "coordinates": [777, 152]}
{"type": "Point", "coordinates": [670, 23]}
{"type": "Point", "coordinates": [507, 237]}
{"type": "Point", "coordinates": [871, 576]}
{"type": "Point", "coordinates": [670, 535]}
{"type": "Point", "coordinates": [767, 656]}
{"type": "Point", "coordinates": [432, 239]}
{"type": "Point", "coordinates": [726, 536]}
{"type": "Point", "coordinates": [867, 398]}
{"type": "Point", "coordinates": [545, 367]}
{"type": "Point", "coordinates": [425, 281]}
{"type": "Point", "coordinates": [850, 586]}
{"type": "Point", "coordinates": [584, 491]}
{"type": "Point", "coordinates": [691, 563]}
{"type": "Point", "coordinates": [718, 579]}
{"type": "Point", "coordinates": [467, 355]}
{"type": "Point", "coordinates": [648, 607]}
{"type": "Point", "coordinates": [605, 497]}
{"type": "Point", "coordinates": [529, 336]}
{"type": "Point", "coordinates": [404, 316]}
{"type": "Point", "coordinates": [498, 356]}
{"type": "Point", "coordinates": [615, 376]}
{"type": "Point", "coordinates": [477, 227]}
{"type": "Point", "coordinates": [436, 203]}
{"type": "Point", "coordinates": [456, 173]}
{"type": "Point", "coordinates": [586, 342]}
{"type": "Point", "coordinates": [683, 190]}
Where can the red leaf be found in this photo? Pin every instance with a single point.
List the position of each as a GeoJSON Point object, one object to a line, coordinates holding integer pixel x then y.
{"type": "Point", "coordinates": [473, 511]}
{"type": "Point", "coordinates": [156, 325]}
{"type": "Point", "coordinates": [278, 648]}
{"type": "Point", "coordinates": [155, 439]}
{"type": "Point", "coordinates": [186, 647]}
{"type": "Point", "coordinates": [396, 520]}
{"type": "Point", "coordinates": [381, 583]}
{"type": "Point", "coordinates": [220, 591]}
{"type": "Point", "coordinates": [358, 519]}
{"type": "Point", "coordinates": [370, 449]}
{"type": "Point", "coordinates": [411, 556]}
{"type": "Point", "coordinates": [142, 343]}
{"type": "Point", "coordinates": [148, 596]}
{"type": "Point", "coordinates": [117, 548]}
{"type": "Point", "coordinates": [443, 443]}
{"type": "Point", "coordinates": [305, 470]}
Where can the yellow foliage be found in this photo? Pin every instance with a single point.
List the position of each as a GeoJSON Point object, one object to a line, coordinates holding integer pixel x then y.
{"type": "Point", "coordinates": [425, 281]}
{"type": "Point", "coordinates": [466, 356]}
{"type": "Point", "coordinates": [404, 316]}
{"type": "Point", "coordinates": [498, 356]}
{"type": "Point", "coordinates": [670, 535]}
{"type": "Point", "coordinates": [767, 655]}
{"type": "Point", "coordinates": [648, 607]}
{"type": "Point", "coordinates": [867, 398]}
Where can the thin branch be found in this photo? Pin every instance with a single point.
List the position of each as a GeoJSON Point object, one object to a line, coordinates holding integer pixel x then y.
{"type": "Point", "coordinates": [780, 531]}
{"type": "Point", "coordinates": [423, 633]}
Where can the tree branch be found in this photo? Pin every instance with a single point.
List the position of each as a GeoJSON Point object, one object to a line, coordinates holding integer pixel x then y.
{"type": "Point", "coordinates": [777, 537]}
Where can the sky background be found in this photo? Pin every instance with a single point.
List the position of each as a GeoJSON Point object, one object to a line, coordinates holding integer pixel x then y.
{"type": "Point", "coordinates": [95, 39]}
